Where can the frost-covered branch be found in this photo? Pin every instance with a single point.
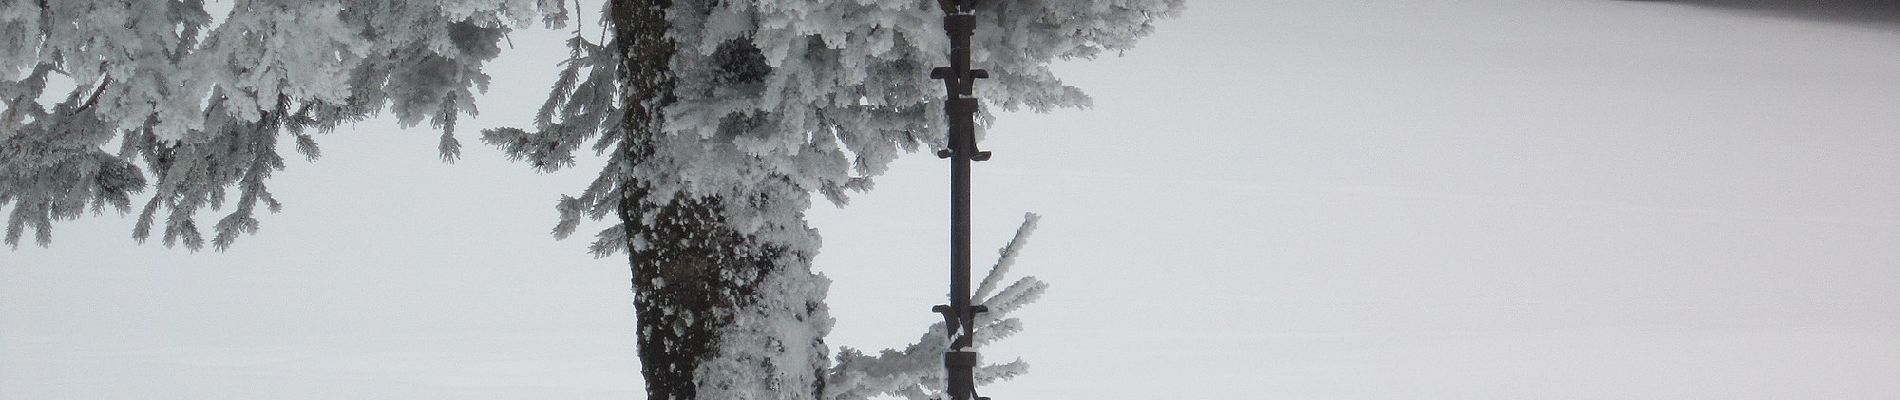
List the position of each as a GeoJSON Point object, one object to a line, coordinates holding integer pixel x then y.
{"type": "Point", "coordinates": [1006, 257]}
{"type": "Point", "coordinates": [199, 102]}
{"type": "Point", "coordinates": [916, 372]}
{"type": "Point", "coordinates": [785, 99]}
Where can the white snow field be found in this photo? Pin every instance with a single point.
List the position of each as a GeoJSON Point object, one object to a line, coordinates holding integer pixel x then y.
{"type": "Point", "coordinates": [1315, 199]}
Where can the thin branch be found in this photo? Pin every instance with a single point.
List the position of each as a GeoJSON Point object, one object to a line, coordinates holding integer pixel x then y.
{"type": "Point", "coordinates": [94, 100]}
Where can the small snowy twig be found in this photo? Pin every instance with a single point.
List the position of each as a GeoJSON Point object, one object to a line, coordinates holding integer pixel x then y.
{"type": "Point", "coordinates": [1006, 257]}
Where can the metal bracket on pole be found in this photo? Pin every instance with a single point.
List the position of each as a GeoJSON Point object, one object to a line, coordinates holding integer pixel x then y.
{"type": "Point", "coordinates": [959, 81]}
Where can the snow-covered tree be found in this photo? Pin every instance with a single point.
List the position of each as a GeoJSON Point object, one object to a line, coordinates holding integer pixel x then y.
{"type": "Point", "coordinates": [719, 120]}
{"type": "Point", "coordinates": [203, 106]}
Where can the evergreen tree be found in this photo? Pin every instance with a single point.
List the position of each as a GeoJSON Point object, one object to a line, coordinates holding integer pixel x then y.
{"type": "Point", "coordinates": [719, 120]}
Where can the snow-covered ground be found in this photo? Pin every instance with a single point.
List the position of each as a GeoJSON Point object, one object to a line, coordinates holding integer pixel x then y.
{"type": "Point", "coordinates": [1549, 199]}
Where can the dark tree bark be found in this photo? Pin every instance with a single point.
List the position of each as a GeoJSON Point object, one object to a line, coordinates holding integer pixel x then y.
{"type": "Point", "coordinates": [698, 272]}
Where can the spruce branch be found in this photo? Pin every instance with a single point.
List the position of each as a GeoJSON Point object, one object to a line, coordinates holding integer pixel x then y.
{"type": "Point", "coordinates": [916, 372]}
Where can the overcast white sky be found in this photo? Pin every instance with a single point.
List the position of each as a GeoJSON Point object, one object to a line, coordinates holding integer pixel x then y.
{"type": "Point", "coordinates": [1503, 199]}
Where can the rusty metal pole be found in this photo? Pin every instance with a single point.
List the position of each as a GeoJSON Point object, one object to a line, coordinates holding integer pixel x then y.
{"type": "Point", "coordinates": [960, 106]}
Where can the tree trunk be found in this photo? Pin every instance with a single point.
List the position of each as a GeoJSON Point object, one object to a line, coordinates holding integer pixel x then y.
{"type": "Point", "coordinates": [697, 282]}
